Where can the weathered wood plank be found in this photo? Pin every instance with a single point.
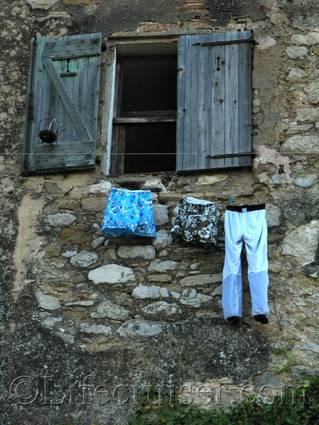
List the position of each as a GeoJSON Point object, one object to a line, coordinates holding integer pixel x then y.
{"type": "Point", "coordinates": [204, 108]}
{"type": "Point", "coordinates": [141, 120]}
{"type": "Point", "coordinates": [245, 101]}
{"type": "Point", "coordinates": [118, 150]}
{"type": "Point", "coordinates": [212, 81]}
{"type": "Point", "coordinates": [192, 147]}
{"type": "Point", "coordinates": [72, 47]}
{"type": "Point", "coordinates": [64, 95]}
{"type": "Point", "coordinates": [231, 102]}
{"type": "Point", "coordinates": [37, 97]}
{"type": "Point", "coordinates": [218, 101]}
{"type": "Point", "coordinates": [108, 86]}
{"type": "Point", "coordinates": [71, 101]}
{"type": "Point", "coordinates": [180, 125]}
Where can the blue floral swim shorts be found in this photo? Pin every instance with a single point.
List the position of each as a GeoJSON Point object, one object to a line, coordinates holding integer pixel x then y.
{"type": "Point", "coordinates": [129, 212]}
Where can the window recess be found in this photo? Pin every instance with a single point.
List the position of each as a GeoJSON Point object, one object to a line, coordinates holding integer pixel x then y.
{"type": "Point", "coordinates": [144, 138]}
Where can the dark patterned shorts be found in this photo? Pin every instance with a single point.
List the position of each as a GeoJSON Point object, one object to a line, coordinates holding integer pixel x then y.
{"type": "Point", "coordinates": [196, 222]}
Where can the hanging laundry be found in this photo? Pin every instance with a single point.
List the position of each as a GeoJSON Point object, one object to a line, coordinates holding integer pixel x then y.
{"type": "Point", "coordinates": [196, 222]}
{"type": "Point", "coordinates": [129, 212]}
{"type": "Point", "coordinates": [245, 223]}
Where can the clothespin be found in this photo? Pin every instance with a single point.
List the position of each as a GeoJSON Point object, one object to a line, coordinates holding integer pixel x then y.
{"type": "Point", "coordinates": [230, 200]}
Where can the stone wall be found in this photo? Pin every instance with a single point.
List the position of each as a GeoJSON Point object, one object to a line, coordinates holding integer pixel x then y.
{"type": "Point", "coordinates": [83, 316]}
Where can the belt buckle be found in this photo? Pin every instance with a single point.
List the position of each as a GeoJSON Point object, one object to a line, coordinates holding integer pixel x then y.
{"type": "Point", "coordinates": [244, 209]}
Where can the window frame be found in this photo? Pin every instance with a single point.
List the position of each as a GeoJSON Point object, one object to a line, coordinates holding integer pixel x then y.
{"type": "Point", "coordinates": [113, 125]}
{"type": "Point", "coordinates": [117, 42]}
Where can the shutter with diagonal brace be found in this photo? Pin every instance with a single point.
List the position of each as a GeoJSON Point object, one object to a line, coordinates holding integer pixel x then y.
{"type": "Point", "coordinates": [64, 86]}
{"type": "Point", "coordinates": [214, 101]}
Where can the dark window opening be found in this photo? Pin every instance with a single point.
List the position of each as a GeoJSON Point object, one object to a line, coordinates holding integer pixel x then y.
{"type": "Point", "coordinates": [145, 123]}
{"type": "Point", "coordinates": [149, 84]}
{"type": "Point", "coordinates": [148, 148]}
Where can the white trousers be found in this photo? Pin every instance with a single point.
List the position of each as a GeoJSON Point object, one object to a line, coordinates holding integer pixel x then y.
{"type": "Point", "coordinates": [249, 227]}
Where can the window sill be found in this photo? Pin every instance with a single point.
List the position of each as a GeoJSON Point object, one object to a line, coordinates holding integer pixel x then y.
{"type": "Point", "coordinates": [143, 120]}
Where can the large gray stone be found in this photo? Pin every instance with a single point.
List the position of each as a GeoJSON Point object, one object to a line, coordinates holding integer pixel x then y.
{"type": "Point", "coordinates": [200, 280]}
{"type": "Point", "coordinates": [47, 302]}
{"type": "Point", "coordinates": [61, 219]}
{"type": "Point", "coordinates": [137, 327]}
{"type": "Point", "coordinates": [109, 310]}
{"type": "Point", "coordinates": [159, 277]}
{"type": "Point", "coordinates": [301, 144]}
{"type": "Point", "coordinates": [163, 239]}
{"type": "Point", "coordinates": [191, 298]}
{"type": "Point", "coordinates": [69, 254]}
{"type": "Point", "coordinates": [111, 274]}
{"type": "Point", "coordinates": [299, 39]}
{"type": "Point", "coordinates": [161, 308]}
{"type": "Point", "coordinates": [154, 184]}
{"type": "Point", "coordinates": [296, 52]}
{"type": "Point", "coordinates": [279, 19]}
{"type": "Point", "coordinates": [296, 74]}
{"type": "Point", "coordinates": [162, 266]}
{"type": "Point", "coordinates": [295, 128]}
{"type": "Point", "coordinates": [49, 322]}
{"type": "Point", "coordinates": [313, 38]}
{"type": "Point", "coordinates": [273, 214]}
{"type": "Point", "coordinates": [265, 42]}
{"type": "Point", "coordinates": [147, 252]}
{"type": "Point", "coordinates": [42, 4]}
{"type": "Point", "coordinates": [97, 242]}
{"type": "Point", "coordinates": [306, 181]}
{"type": "Point", "coordinates": [84, 259]}
{"type": "Point", "coordinates": [103, 187]}
{"type": "Point", "coordinates": [95, 329]}
{"type": "Point", "coordinates": [209, 180]}
{"type": "Point", "coordinates": [152, 292]}
{"type": "Point", "coordinates": [161, 214]}
{"type": "Point", "coordinates": [312, 91]}
{"type": "Point", "coordinates": [310, 39]}
{"type": "Point", "coordinates": [308, 114]}
{"type": "Point", "coordinates": [302, 242]}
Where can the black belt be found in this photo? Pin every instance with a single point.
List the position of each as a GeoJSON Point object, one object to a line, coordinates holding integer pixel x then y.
{"type": "Point", "coordinates": [245, 208]}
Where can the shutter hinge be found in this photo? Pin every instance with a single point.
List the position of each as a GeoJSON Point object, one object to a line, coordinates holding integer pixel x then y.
{"type": "Point", "coordinates": [224, 43]}
{"type": "Point", "coordinates": [231, 155]}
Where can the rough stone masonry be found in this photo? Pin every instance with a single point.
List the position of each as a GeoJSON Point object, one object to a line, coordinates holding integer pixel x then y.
{"type": "Point", "coordinates": [81, 313]}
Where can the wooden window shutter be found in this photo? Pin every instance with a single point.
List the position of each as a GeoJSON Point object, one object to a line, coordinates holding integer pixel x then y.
{"type": "Point", "coordinates": [64, 84]}
{"type": "Point", "coordinates": [214, 101]}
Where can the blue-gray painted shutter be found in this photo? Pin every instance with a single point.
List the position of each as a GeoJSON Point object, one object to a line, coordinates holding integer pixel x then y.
{"type": "Point", "coordinates": [64, 84]}
{"type": "Point", "coordinates": [214, 100]}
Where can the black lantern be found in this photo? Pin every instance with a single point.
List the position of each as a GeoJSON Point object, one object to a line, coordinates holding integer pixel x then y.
{"type": "Point", "coordinates": [49, 130]}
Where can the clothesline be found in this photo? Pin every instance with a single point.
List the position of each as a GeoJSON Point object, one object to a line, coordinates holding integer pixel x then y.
{"type": "Point", "coordinates": [161, 153]}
